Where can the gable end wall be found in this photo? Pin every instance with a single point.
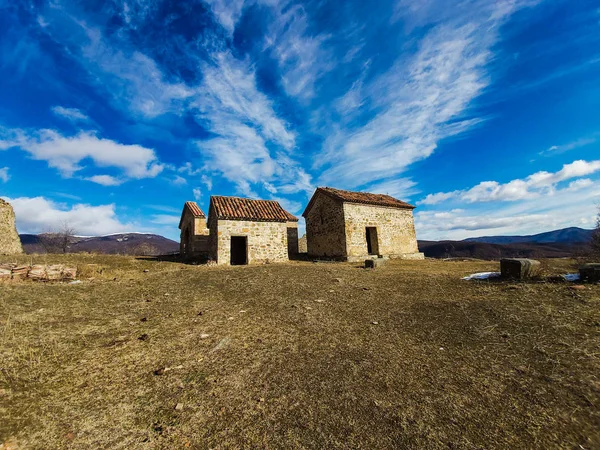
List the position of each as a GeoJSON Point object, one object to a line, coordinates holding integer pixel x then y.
{"type": "Point", "coordinates": [395, 230]}
{"type": "Point", "coordinates": [325, 228]}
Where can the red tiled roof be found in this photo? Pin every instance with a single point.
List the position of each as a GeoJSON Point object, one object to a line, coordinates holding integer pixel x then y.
{"type": "Point", "coordinates": [364, 198]}
{"type": "Point", "coordinates": [236, 208]}
{"type": "Point", "coordinates": [193, 208]}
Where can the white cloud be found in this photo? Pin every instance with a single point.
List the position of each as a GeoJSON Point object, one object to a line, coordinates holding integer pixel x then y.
{"type": "Point", "coordinates": [574, 205]}
{"type": "Point", "coordinates": [72, 114]}
{"type": "Point", "coordinates": [105, 180]}
{"type": "Point", "coordinates": [4, 176]}
{"type": "Point", "coordinates": [577, 185]}
{"type": "Point", "coordinates": [67, 153]}
{"type": "Point", "coordinates": [39, 215]}
{"type": "Point", "coordinates": [540, 183]}
{"type": "Point", "coordinates": [197, 193]}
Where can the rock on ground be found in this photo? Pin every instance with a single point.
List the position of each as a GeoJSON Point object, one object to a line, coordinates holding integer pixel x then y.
{"type": "Point", "coordinates": [519, 268]}
{"type": "Point", "coordinates": [590, 273]}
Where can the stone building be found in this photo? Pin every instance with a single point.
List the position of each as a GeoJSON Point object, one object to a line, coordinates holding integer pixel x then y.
{"type": "Point", "coordinates": [245, 231]}
{"type": "Point", "coordinates": [10, 243]}
{"type": "Point", "coordinates": [194, 232]}
{"type": "Point", "coordinates": [353, 226]}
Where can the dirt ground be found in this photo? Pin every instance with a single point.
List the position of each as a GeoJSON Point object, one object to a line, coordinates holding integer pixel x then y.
{"type": "Point", "coordinates": [144, 354]}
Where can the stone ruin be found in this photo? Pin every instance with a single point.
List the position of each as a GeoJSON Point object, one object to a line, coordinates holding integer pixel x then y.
{"type": "Point", "coordinates": [10, 243]}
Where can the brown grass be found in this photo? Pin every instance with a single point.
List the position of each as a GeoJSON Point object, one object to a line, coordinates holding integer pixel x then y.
{"type": "Point", "coordinates": [294, 358]}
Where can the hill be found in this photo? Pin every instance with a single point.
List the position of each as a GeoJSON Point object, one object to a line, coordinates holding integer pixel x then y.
{"type": "Point", "coordinates": [114, 244]}
{"type": "Point", "coordinates": [484, 250]}
{"type": "Point", "coordinates": [565, 235]}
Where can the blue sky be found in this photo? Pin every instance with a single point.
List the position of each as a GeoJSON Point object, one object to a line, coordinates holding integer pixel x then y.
{"type": "Point", "coordinates": [486, 115]}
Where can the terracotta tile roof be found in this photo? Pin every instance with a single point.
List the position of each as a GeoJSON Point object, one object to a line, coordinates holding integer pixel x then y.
{"type": "Point", "coordinates": [364, 198]}
{"type": "Point", "coordinates": [236, 208]}
{"type": "Point", "coordinates": [193, 208]}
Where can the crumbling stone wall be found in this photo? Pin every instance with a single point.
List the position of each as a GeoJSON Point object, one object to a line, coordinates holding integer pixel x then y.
{"type": "Point", "coordinates": [325, 228]}
{"type": "Point", "coordinates": [194, 236]}
{"type": "Point", "coordinates": [10, 243]}
{"type": "Point", "coordinates": [302, 245]}
{"type": "Point", "coordinates": [267, 241]}
{"type": "Point", "coordinates": [395, 231]}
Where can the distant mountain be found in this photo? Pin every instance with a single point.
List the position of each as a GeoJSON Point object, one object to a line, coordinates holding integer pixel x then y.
{"type": "Point", "coordinates": [484, 250]}
{"type": "Point", "coordinates": [114, 244]}
{"type": "Point", "coordinates": [565, 236]}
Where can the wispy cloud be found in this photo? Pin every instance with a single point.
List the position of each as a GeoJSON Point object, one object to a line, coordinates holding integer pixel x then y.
{"type": "Point", "coordinates": [422, 99]}
{"type": "Point", "coordinates": [402, 188]}
{"type": "Point", "coordinates": [227, 12]}
{"type": "Point", "coordinates": [582, 142]}
{"type": "Point", "coordinates": [72, 114]}
{"type": "Point", "coordinates": [302, 56]}
{"type": "Point", "coordinates": [252, 144]}
{"type": "Point", "coordinates": [132, 80]}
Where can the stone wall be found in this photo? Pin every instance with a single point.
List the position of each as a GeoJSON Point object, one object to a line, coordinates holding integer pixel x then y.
{"type": "Point", "coordinates": [292, 237]}
{"type": "Point", "coordinates": [325, 228]}
{"type": "Point", "coordinates": [10, 243]}
{"type": "Point", "coordinates": [194, 236]}
{"type": "Point", "coordinates": [302, 245]}
{"type": "Point", "coordinates": [267, 241]}
{"type": "Point", "coordinates": [395, 227]}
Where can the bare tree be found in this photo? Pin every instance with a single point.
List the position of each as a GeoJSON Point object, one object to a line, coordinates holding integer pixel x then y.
{"type": "Point", "coordinates": [596, 236]}
{"type": "Point", "coordinates": [58, 241]}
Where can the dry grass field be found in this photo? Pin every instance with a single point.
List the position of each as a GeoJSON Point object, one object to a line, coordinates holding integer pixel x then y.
{"type": "Point", "coordinates": [303, 355]}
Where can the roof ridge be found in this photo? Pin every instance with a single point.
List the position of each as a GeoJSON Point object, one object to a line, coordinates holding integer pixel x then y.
{"type": "Point", "coordinates": [358, 197]}
{"type": "Point", "coordinates": [242, 208]}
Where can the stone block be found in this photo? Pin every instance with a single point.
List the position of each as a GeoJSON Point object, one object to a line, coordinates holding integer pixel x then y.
{"type": "Point", "coordinates": [373, 263]}
{"type": "Point", "coordinates": [590, 273]}
{"type": "Point", "coordinates": [519, 268]}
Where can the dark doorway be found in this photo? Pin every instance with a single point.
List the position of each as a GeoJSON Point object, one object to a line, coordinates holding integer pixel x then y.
{"type": "Point", "coordinates": [372, 242]}
{"type": "Point", "coordinates": [239, 250]}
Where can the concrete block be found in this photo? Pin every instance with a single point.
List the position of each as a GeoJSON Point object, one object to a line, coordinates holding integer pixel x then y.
{"type": "Point", "coordinates": [590, 273]}
{"type": "Point", "coordinates": [373, 263]}
{"type": "Point", "coordinates": [519, 268]}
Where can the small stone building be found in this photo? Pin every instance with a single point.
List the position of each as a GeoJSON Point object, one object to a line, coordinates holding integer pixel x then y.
{"type": "Point", "coordinates": [245, 231]}
{"type": "Point", "coordinates": [194, 232]}
{"type": "Point", "coordinates": [353, 226]}
{"type": "Point", "coordinates": [10, 243]}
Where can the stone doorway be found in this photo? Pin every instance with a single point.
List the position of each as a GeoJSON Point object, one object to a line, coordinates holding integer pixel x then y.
{"type": "Point", "coordinates": [372, 241]}
{"type": "Point", "coordinates": [239, 250]}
